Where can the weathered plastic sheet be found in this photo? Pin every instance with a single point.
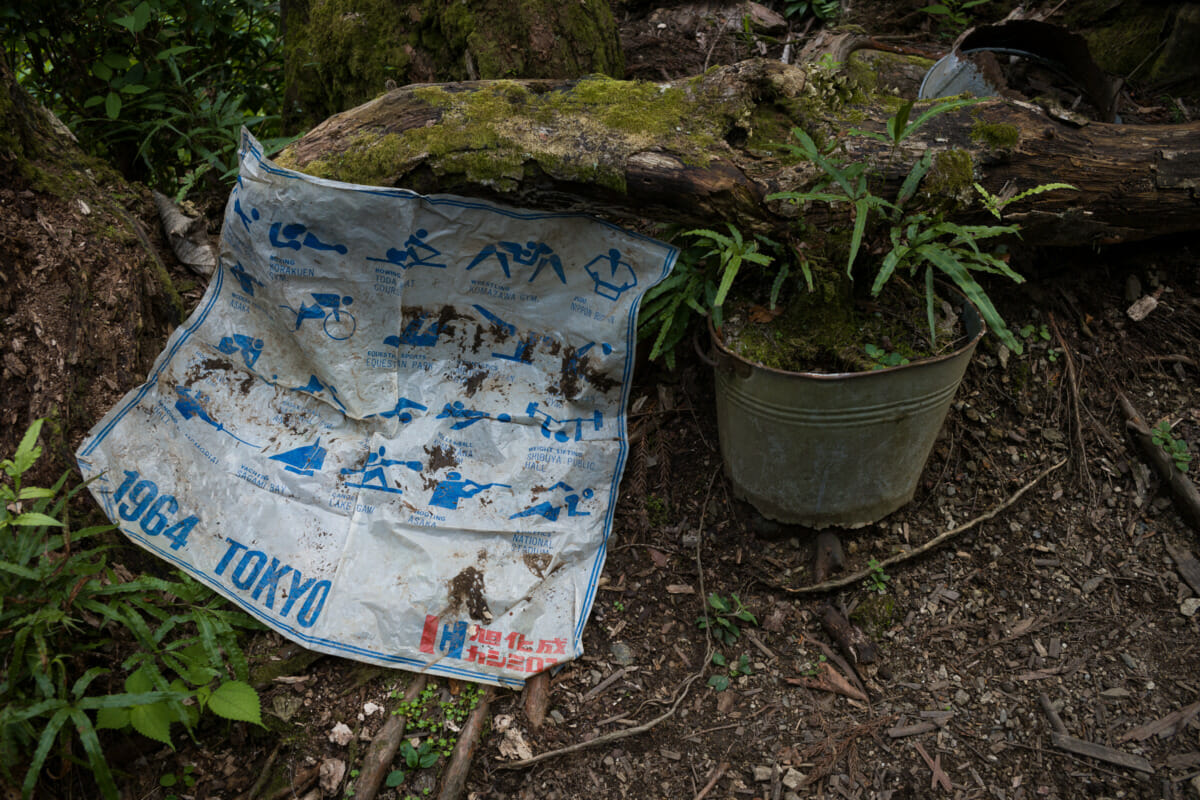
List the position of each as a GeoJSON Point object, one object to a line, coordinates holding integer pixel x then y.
{"type": "Point", "coordinates": [394, 428]}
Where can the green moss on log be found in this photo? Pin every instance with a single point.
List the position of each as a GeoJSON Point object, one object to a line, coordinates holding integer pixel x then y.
{"type": "Point", "coordinates": [996, 136]}
{"type": "Point", "coordinates": [950, 175]}
{"type": "Point", "coordinates": [490, 135]}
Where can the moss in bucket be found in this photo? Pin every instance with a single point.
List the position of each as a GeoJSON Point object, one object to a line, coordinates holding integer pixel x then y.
{"type": "Point", "coordinates": [827, 330]}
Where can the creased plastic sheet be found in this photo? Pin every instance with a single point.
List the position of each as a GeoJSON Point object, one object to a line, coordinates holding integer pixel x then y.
{"type": "Point", "coordinates": [393, 429]}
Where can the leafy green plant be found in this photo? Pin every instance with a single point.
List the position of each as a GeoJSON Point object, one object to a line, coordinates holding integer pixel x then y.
{"type": "Point", "coordinates": [695, 288]}
{"type": "Point", "coordinates": [725, 616]}
{"type": "Point", "coordinates": [1163, 436]}
{"type": "Point", "coordinates": [69, 618]}
{"type": "Point", "coordinates": [952, 15]}
{"type": "Point", "coordinates": [899, 127]}
{"type": "Point", "coordinates": [812, 669]}
{"type": "Point", "coordinates": [995, 204]}
{"type": "Point", "coordinates": [720, 681]}
{"type": "Point", "coordinates": [732, 252]}
{"type": "Point", "coordinates": [916, 243]}
{"type": "Point", "coordinates": [824, 10]}
{"type": "Point", "coordinates": [438, 722]}
{"type": "Point", "coordinates": [172, 779]}
{"type": "Point", "coordinates": [877, 580]}
{"type": "Point", "coordinates": [1028, 332]}
{"type": "Point", "coordinates": [883, 358]}
{"type": "Point", "coordinates": [136, 81]}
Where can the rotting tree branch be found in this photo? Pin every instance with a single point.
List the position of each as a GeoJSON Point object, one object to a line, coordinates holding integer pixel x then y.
{"type": "Point", "coordinates": [705, 149]}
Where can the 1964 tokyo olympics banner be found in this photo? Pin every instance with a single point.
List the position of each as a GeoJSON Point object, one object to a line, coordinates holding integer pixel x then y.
{"type": "Point", "coordinates": [393, 429]}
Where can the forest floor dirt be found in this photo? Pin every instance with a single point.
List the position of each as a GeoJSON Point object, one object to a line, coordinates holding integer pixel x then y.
{"type": "Point", "coordinates": [1024, 657]}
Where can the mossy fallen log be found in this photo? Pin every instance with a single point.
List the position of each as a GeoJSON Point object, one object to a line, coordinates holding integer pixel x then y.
{"type": "Point", "coordinates": [708, 148]}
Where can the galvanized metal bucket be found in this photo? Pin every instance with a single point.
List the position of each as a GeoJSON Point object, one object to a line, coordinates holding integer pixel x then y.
{"type": "Point", "coordinates": [844, 449]}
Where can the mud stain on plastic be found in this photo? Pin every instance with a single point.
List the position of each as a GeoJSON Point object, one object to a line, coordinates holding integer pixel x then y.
{"type": "Point", "coordinates": [473, 381]}
{"type": "Point", "coordinates": [575, 367]}
{"type": "Point", "coordinates": [536, 563]}
{"type": "Point", "coordinates": [440, 457]}
{"type": "Point", "coordinates": [466, 589]}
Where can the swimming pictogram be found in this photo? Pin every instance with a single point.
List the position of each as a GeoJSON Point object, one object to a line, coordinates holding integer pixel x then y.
{"type": "Point", "coordinates": [570, 504]}
{"type": "Point", "coordinates": [466, 416]}
{"type": "Point", "coordinates": [532, 253]}
{"type": "Point", "coordinates": [373, 474]}
{"type": "Point", "coordinates": [288, 236]}
{"type": "Point", "coordinates": [612, 276]}
{"type": "Point", "coordinates": [454, 488]}
{"type": "Point", "coordinates": [563, 426]}
{"type": "Point", "coordinates": [250, 348]}
{"type": "Point", "coordinates": [339, 324]}
{"type": "Point", "coordinates": [303, 460]}
{"type": "Point", "coordinates": [416, 253]}
{"type": "Point", "coordinates": [247, 281]}
{"type": "Point", "coordinates": [189, 406]}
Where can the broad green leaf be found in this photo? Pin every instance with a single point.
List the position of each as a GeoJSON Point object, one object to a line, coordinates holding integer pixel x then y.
{"type": "Point", "coordinates": [719, 682]}
{"type": "Point", "coordinates": [27, 451]}
{"type": "Point", "coordinates": [896, 124]}
{"type": "Point", "coordinates": [91, 746]}
{"type": "Point", "coordinates": [45, 742]}
{"type": "Point", "coordinates": [116, 61]}
{"type": "Point", "coordinates": [33, 519]}
{"type": "Point", "coordinates": [861, 210]}
{"type": "Point", "coordinates": [940, 108]}
{"type": "Point", "coordinates": [112, 105]}
{"type": "Point", "coordinates": [395, 778]}
{"type": "Point", "coordinates": [102, 71]}
{"type": "Point", "coordinates": [20, 572]}
{"type": "Point", "coordinates": [171, 52]}
{"type": "Point", "coordinates": [153, 721]}
{"type": "Point", "coordinates": [236, 700]}
{"type": "Point", "coordinates": [112, 718]}
{"type": "Point", "coordinates": [929, 315]}
{"type": "Point", "coordinates": [140, 17]}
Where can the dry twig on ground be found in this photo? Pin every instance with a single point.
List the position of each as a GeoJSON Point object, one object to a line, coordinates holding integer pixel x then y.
{"type": "Point", "coordinates": [936, 541]}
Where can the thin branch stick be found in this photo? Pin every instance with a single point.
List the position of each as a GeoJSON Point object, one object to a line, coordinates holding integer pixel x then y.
{"type": "Point", "coordinates": [383, 747]}
{"type": "Point", "coordinates": [1186, 497]}
{"type": "Point", "coordinates": [1074, 386]}
{"type": "Point", "coordinates": [608, 737]}
{"type": "Point", "coordinates": [454, 779]}
{"type": "Point", "coordinates": [1172, 359]}
{"type": "Point", "coordinates": [264, 774]}
{"type": "Point", "coordinates": [537, 699]}
{"type": "Point", "coordinates": [717, 773]}
{"type": "Point", "coordinates": [941, 538]}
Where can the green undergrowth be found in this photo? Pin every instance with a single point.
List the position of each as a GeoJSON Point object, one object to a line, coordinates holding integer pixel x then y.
{"type": "Point", "coordinates": [88, 647]}
{"type": "Point", "coordinates": [433, 720]}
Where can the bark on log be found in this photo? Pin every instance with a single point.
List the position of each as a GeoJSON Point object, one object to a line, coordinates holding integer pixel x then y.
{"type": "Point", "coordinates": [702, 150]}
